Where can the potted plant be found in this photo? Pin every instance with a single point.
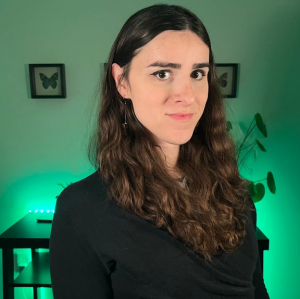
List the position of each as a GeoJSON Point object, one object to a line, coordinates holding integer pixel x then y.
{"type": "Point", "coordinates": [256, 190]}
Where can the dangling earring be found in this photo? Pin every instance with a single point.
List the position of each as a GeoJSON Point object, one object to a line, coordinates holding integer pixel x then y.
{"type": "Point", "coordinates": [125, 125]}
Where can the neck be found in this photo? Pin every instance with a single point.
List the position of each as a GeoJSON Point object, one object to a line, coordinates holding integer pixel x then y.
{"type": "Point", "coordinates": [170, 153]}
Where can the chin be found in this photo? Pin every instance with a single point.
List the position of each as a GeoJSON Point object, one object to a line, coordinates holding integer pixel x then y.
{"type": "Point", "coordinates": [183, 141]}
{"type": "Point", "coordinates": [180, 139]}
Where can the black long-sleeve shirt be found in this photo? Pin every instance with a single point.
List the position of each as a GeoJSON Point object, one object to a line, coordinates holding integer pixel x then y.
{"type": "Point", "coordinates": [99, 251]}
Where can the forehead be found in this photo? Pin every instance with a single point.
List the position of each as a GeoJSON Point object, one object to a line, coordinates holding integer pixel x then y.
{"type": "Point", "coordinates": [174, 46]}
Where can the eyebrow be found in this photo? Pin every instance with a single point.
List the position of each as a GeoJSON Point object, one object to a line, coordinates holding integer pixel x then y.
{"type": "Point", "coordinates": [177, 65]}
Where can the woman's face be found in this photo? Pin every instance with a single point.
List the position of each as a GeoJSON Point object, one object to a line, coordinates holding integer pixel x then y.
{"type": "Point", "coordinates": [169, 100]}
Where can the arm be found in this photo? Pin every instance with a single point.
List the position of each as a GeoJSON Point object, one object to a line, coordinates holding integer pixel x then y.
{"type": "Point", "coordinates": [76, 271]}
{"type": "Point", "coordinates": [258, 280]}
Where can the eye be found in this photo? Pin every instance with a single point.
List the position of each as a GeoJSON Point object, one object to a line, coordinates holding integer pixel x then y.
{"type": "Point", "coordinates": [200, 72]}
{"type": "Point", "coordinates": [161, 74]}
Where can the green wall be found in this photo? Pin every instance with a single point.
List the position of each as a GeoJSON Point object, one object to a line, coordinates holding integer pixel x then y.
{"type": "Point", "coordinates": [43, 141]}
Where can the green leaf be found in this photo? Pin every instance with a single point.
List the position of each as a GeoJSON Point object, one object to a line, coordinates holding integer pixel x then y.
{"type": "Point", "coordinates": [252, 189]}
{"type": "Point", "coordinates": [271, 182]}
{"type": "Point", "coordinates": [260, 192]}
{"type": "Point", "coordinates": [228, 126]}
{"type": "Point", "coordinates": [260, 124]}
{"type": "Point", "coordinates": [61, 185]}
{"type": "Point", "coordinates": [262, 148]}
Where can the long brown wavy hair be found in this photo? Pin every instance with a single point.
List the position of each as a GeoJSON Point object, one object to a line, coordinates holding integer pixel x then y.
{"type": "Point", "coordinates": [208, 214]}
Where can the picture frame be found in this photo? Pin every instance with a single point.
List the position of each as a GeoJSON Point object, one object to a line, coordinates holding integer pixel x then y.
{"type": "Point", "coordinates": [227, 78]}
{"type": "Point", "coordinates": [47, 80]}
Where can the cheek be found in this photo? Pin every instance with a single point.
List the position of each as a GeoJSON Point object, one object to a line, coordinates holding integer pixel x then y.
{"type": "Point", "coordinates": [147, 104]}
{"type": "Point", "coordinates": [203, 92]}
{"type": "Point", "coordinates": [147, 112]}
{"type": "Point", "coordinates": [202, 98]}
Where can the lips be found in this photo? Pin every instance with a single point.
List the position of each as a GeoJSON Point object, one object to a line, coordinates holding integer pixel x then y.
{"type": "Point", "coordinates": [181, 116]}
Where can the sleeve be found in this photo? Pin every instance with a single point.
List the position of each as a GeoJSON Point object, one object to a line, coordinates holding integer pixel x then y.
{"type": "Point", "coordinates": [258, 280]}
{"type": "Point", "coordinates": [76, 270]}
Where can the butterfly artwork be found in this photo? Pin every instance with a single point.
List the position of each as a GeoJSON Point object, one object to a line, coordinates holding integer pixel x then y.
{"type": "Point", "coordinates": [227, 78]}
{"type": "Point", "coordinates": [46, 82]}
{"type": "Point", "coordinates": [222, 80]}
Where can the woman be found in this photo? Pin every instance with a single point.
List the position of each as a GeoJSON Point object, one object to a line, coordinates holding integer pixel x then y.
{"type": "Point", "coordinates": [166, 214]}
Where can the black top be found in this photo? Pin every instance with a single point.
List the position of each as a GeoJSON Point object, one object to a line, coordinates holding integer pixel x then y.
{"type": "Point", "coordinates": [98, 250]}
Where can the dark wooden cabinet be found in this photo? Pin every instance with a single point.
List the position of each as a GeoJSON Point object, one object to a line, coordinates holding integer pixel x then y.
{"type": "Point", "coordinates": [263, 244]}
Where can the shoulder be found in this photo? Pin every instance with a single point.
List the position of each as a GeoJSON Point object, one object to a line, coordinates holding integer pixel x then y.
{"type": "Point", "coordinates": [251, 213]}
{"type": "Point", "coordinates": [83, 196]}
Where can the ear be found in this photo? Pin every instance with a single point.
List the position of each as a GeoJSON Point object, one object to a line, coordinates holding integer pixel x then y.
{"type": "Point", "coordinates": [117, 73]}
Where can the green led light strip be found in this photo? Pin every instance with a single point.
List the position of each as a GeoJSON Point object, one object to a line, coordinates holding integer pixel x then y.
{"type": "Point", "coordinates": [41, 211]}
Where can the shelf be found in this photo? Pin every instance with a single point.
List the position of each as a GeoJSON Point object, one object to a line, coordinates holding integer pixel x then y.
{"type": "Point", "coordinates": [263, 241]}
{"type": "Point", "coordinates": [36, 274]}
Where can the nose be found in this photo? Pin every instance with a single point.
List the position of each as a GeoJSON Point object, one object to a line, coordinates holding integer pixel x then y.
{"type": "Point", "coordinates": [185, 93]}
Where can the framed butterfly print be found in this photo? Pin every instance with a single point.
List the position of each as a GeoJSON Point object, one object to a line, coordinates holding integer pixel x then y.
{"type": "Point", "coordinates": [47, 80]}
{"type": "Point", "coordinates": [227, 78]}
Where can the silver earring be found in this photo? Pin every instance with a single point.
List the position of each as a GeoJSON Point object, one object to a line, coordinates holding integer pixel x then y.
{"type": "Point", "coordinates": [125, 125]}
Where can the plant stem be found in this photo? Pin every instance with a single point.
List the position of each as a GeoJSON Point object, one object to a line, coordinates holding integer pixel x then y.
{"type": "Point", "coordinates": [248, 145]}
{"type": "Point", "coordinates": [246, 154]}
{"type": "Point", "coordinates": [259, 180]}
{"type": "Point", "coordinates": [247, 134]}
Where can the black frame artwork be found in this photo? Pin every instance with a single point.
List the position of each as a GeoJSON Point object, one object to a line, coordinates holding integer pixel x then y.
{"type": "Point", "coordinates": [227, 78]}
{"type": "Point", "coordinates": [47, 80]}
